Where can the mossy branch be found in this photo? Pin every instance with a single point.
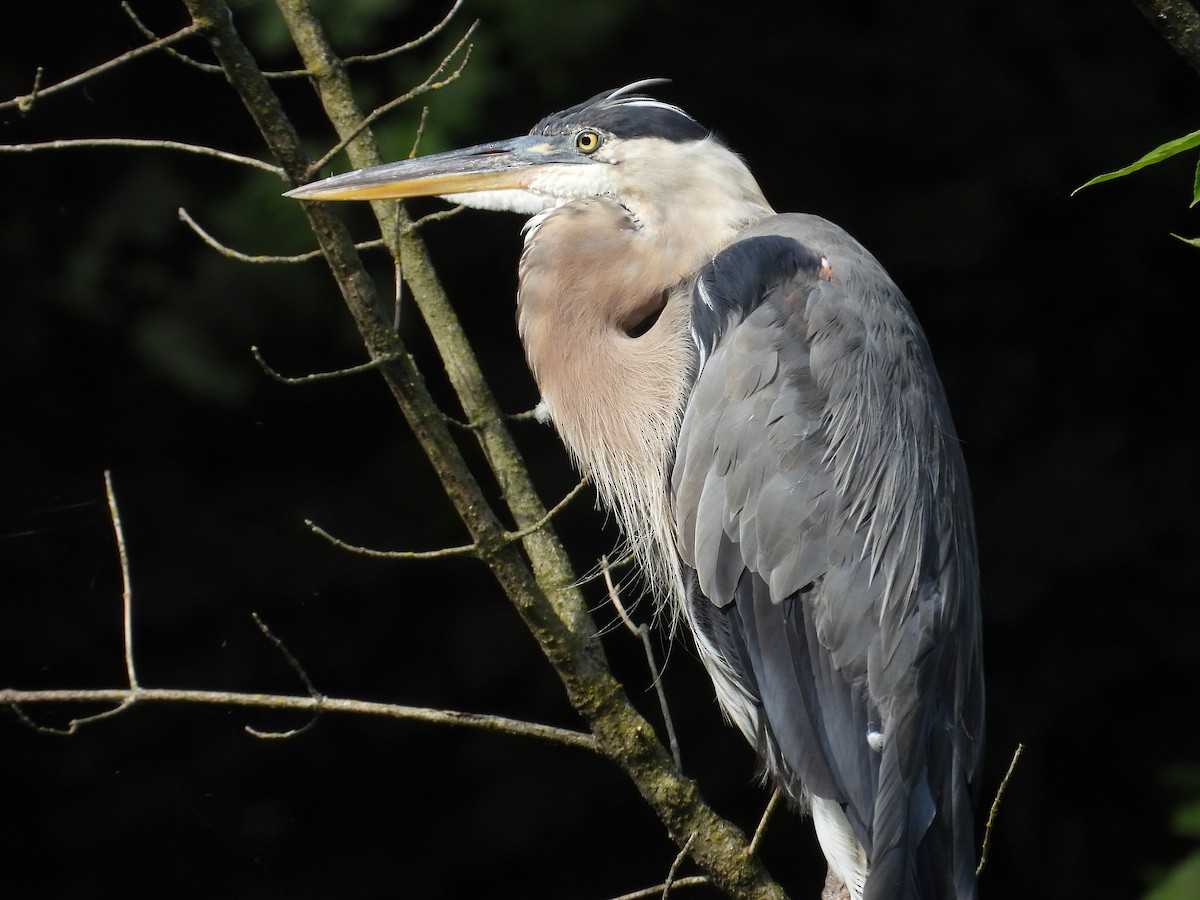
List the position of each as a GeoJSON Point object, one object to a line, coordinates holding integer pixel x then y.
{"type": "Point", "coordinates": [546, 555]}
{"type": "Point", "coordinates": [1179, 24]}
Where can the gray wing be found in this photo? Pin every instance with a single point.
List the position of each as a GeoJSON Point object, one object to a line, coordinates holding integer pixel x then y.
{"type": "Point", "coordinates": [822, 508]}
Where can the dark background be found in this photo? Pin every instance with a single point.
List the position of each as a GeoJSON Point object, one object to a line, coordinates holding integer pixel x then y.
{"type": "Point", "coordinates": [946, 136]}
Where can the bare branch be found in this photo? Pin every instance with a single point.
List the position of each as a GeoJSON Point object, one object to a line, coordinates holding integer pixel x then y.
{"type": "Point", "coordinates": [289, 73]}
{"type": "Point", "coordinates": [292, 662]}
{"type": "Point", "coordinates": [643, 632]}
{"type": "Point", "coordinates": [25, 102]}
{"type": "Point", "coordinates": [463, 426]}
{"type": "Point", "coordinates": [282, 735]}
{"type": "Point", "coordinates": [761, 830]}
{"type": "Point", "coordinates": [320, 376]}
{"type": "Point", "coordinates": [420, 132]}
{"type": "Point", "coordinates": [542, 522]}
{"type": "Point", "coordinates": [73, 725]}
{"type": "Point", "coordinates": [465, 550]}
{"type": "Point", "coordinates": [177, 55]}
{"type": "Point", "coordinates": [127, 697]}
{"type": "Point", "coordinates": [436, 217]}
{"type": "Point", "coordinates": [139, 143]}
{"type": "Point", "coordinates": [295, 666]}
{"type": "Point", "coordinates": [679, 858]}
{"type": "Point", "coordinates": [127, 630]}
{"type": "Point", "coordinates": [657, 890]}
{"type": "Point", "coordinates": [126, 583]}
{"type": "Point", "coordinates": [429, 84]}
{"type": "Point", "coordinates": [411, 45]}
{"type": "Point", "coordinates": [546, 556]}
{"type": "Point", "coordinates": [209, 68]}
{"type": "Point", "coordinates": [991, 819]}
{"type": "Point", "coordinates": [225, 250]}
{"type": "Point", "coordinates": [529, 415]}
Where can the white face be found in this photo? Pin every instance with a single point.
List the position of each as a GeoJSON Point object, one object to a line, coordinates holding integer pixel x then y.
{"type": "Point", "coordinates": [547, 187]}
{"type": "Point", "coordinates": [664, 184]}
{"type": "Point", "coordinates": [524, 202]}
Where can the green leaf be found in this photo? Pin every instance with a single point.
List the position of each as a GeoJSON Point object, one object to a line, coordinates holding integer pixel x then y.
{"type": "Point", "coordinates": [1181, 883]}
{"type": "Point", "coordinates": [1196, 186]}
{"type": "Point", "coordinates": [1195, 242]}
{"type": "Point", "coordinates": [1157, 155]}
{"type": "Point", "coordinates": [1186, 819]}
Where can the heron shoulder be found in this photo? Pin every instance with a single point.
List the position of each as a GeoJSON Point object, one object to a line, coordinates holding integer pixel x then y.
{"type": "Point", "coordinates": [805, 337]}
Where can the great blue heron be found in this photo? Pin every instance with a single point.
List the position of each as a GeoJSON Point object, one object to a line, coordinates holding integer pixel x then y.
{"type": "Point", "coordinates": [754, 398]}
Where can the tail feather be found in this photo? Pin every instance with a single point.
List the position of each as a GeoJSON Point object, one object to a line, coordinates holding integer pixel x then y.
{"type": "Point", "coordinates": [923, 836]}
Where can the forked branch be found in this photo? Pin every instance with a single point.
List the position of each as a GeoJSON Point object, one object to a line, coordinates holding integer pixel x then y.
{"type": "Point", "coordinates": [315, 703]}
{"type": "Point", "coordinates": [296, 73]}
{"type": "Point", "coordinates": [128, 697]}
{"type": "Point", "coordinates": [141, 144]}
{"type": "Point", "coordinates": [25, 102]}
{"type": "Point", "coordinates": [433, 82]}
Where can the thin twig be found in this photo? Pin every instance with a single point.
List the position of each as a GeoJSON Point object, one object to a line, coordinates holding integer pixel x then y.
{"type": "Point", "coordinates": [177, 55]}
{"type": "Point", "coordinates": [541, 523]}
{"type": "Point", "coordinates": [126, 582]}
{"type": "Point", "coordinates": [74, 724]}
{"type": "Point", "coordinates": [398, 293]}
{"type": "Point", "coordinates": [465, 550]}
{"type": "Point", "coordinates": [416, 144]}
{"type": "Point", "coordinates": [128, 697]}
{"type": "Point", "coordinates": [282, 735]}
{"type": "Point", "coordinates": [225, 250]}
{"type": "Point", "coordinates": [25, 102]}
{"type": "Point", "coordinates": [435, 217]}
{"type": "Point", "coordinates": [127, 629]}
{"type": "Point", "coordinates": [761, 830]}
{"type": "Point", "coordinates": [212, 68]}
{"type": "Point", "coordinates": [679, 858]}
{"type": "Point", "coordinates": [643, 632]}
{"type": "Point", "coordinates": [539, 414]}
{"type": "Point", "coordinates": [460, 424]}
{"type": "Point", "coordinates": [140, 143]}
{"type": "Point", "coordinates": [429, 84]}
{"type": "Point", "coordinates": [689, 881]}
{"type": "Point", "coordinates": [292, 662]}
{"type": "Point", "coordinates": [991, 819]}
{"type": "Point", "coordinates": [411, 45]}
{"type": "Point", "coordinates": [303, 676]}
{"type": "Point", "coordinates": [319, 376]}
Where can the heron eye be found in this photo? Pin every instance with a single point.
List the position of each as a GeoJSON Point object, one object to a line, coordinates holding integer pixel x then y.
{"type": "Point", "coordinates": [587, 142]}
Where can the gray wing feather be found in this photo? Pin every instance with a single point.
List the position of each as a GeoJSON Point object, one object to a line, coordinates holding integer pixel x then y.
{"type": "Point", "coordinates": [822, 504]}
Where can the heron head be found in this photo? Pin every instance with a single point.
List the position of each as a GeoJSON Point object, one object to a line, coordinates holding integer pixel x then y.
{"type": "Point", "coordinates": [622, 144]}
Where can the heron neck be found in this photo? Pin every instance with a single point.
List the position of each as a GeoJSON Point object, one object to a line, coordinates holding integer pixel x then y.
{"type": "Point", "coordinates": [604, 318]}
{"type": "Point", "coordinates": [714, 196]}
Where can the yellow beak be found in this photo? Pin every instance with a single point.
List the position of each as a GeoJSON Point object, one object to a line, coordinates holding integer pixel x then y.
{"type": "Point", "coordinates": [497, 166]}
